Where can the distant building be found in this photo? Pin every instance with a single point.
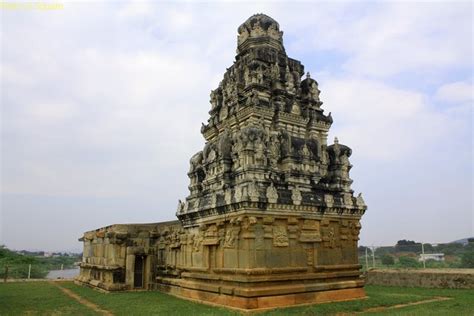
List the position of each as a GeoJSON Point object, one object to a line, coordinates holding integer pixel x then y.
{"type": "Point", "coordinates": [431, 256]}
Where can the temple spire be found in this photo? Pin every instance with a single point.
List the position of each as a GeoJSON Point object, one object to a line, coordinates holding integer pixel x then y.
{"type": "Point", "coordinates": [259, 30]}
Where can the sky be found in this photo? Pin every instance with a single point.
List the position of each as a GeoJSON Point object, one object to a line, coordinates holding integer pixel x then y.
{"type": "Point", "coordinates": [102, 103]}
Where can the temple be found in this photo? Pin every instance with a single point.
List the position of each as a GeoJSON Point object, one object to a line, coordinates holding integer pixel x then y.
{"type": "Point", "coordinates": [270, 219]}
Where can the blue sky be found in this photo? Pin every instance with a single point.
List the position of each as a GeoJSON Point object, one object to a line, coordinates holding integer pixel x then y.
{"type": "Point", "coordinates": [102, 104]}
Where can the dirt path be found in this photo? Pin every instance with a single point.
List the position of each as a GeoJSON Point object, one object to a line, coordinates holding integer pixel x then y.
{"type": "Point", "coordinates": [384, 308]}
{"type": "Point", "coordinates": [83, 301]}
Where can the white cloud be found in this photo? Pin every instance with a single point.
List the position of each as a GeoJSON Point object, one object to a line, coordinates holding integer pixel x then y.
{"type": "Point", "coordinates": [117, 102]}
{"type": "Point", "coordinates": [387, 39]}
{"type": "Point", "coordinates": [412, 37]}
{"type": "Point", "coordinates": [137, 8]}
{"type": "Point", "coordinates": [50, 111]}
{"type": "Point", "coordinates": [111, 92]}
{"type": "Point", "coordinates": [88, 120]}
{"type": "Point", "coordinates": [456, 92]}
{"type": "Point", "coordinates": [381, 122]}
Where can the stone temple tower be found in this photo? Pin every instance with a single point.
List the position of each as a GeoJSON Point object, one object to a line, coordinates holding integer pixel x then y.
{"type": "Point", "coordinates": [271, 219]}
{"type": "Point", "coordinates": [266, 148]}
{"type": "Point", "coordinates": [267, 190]}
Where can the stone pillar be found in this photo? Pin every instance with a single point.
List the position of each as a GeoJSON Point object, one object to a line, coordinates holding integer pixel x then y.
{"type": "Point", "coordinates": [129, 270]}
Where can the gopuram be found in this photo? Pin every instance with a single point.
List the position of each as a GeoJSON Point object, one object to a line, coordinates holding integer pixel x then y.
{"type": "Point", "coordinates": [270, 219]}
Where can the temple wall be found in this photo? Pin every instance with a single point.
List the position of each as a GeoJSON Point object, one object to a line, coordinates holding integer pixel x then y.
{"type": "Point", "coordinates": [249, 254]}
{"type": "Point", "coordinates": [110, 252]}
{"type": "Point", "coordinates": [247, 243]}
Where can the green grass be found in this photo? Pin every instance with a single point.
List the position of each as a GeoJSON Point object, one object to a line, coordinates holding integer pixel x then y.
{"type": "Point", "coordinates": [462, 303]}
{"type": "Point", "coordinates": [145, 303]}
{"type": "Point", "coordinates": [38, 298]}
{"type": "Point", "coordinates": [41, 298]}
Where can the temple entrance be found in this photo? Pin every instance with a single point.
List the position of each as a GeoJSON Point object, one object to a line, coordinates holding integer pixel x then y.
{"type": "Point", "coordinates": [139, 272]}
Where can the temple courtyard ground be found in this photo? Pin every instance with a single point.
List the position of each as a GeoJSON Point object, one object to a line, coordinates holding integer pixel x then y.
{"type": "Point", "coordinates": [66, 298]}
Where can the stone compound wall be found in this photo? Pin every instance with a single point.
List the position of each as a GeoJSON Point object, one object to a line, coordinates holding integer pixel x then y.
{"type": "Point", "coordinates": [428, 278]}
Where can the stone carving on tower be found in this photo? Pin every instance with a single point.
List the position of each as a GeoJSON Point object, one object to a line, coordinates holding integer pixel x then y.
{"type": "Point", "coordinates": [266, 137]}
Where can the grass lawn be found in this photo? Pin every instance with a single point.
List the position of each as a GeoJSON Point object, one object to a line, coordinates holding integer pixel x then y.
{"type": "Point", "coordinates": [38, 298]}
{"type": "Point", "coordinates": [462, 303]}
{"type": "Point", "coordinates": [144, 303]}
{"type": "Point", "coordinates": [42, 298]}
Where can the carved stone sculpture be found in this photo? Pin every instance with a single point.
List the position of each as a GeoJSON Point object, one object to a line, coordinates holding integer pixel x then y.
{"type": "Point", "coordinates": [272, 194]}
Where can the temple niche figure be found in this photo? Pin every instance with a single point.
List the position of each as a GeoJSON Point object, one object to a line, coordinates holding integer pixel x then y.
{"type": "Point", "coordinates": [270, 219]}
{"type": "Point", "coordinates": [310, 90]}
{"type": "Point", "coordinates": [213, 99]}
{"type": "Point", "coordinates": [313, 88]}
{"type": "Point", "coordinates": [290, 85]}
{"type": "Point", "coordinates": [276, 71]}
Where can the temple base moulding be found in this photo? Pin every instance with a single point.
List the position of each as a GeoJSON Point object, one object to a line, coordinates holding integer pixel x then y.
{"type": "Point", "coordinates": [247, 303]}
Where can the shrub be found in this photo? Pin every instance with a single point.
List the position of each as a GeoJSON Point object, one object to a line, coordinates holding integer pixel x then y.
{"type": "Point", "coordinates": [430, 263]}
{"type": "Point", "coordinates": [408, 262]}
{"type": "Point", "coordinates": [467, 260]}
{"type": "Point", "coordinates": [388, 260]}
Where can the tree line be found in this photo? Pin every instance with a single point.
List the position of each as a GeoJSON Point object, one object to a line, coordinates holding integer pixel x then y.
{"type": "Point", "coordinates": [17, 264]}
{"type": "Point", "coordinates": [405, 254]}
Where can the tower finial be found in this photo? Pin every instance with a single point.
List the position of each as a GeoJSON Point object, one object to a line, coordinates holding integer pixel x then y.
{"type": "Point", "coordinates": [308, 75]}
{"type": "Point", "coordinates": [336, 141]}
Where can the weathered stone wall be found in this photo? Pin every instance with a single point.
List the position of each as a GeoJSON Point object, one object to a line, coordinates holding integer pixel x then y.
{"type": "Point", "coordinates": [236, 260]}
{"type": "Point", "coordinates": [272, 241]}
{"type": "Point", "coordinates": [108, 260]}
{"type": "Point", "coordinates": [428, 278]}
{"type": "Point", "coordinates": [280, 255]}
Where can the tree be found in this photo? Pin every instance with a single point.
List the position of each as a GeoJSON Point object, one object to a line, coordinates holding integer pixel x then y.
{"type": "Point", "coordinates": [405, 242]}
{"type": "Point", "coordinates": [381, 251]}
{"type": "Point", "coordinates": [408, 246]}
{"type": "Point", "coordinates": [388, 260]}
{"type": "Point", "coordinates": [450, 249]}
{"type": "Point", "coordinates": [3, 251]}
{"type": "Point", "coordinates": [18, 265]}
{"type": "Point", "coordinates": [467, 260]}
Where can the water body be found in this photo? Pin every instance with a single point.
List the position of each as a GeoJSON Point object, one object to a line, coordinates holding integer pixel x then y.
{"type": "Point", "coordinates": [63, 274]}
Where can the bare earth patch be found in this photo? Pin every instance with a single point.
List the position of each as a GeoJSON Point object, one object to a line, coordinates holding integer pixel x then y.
{"type": "Point", "coordinates": [383, 308]}
{"type": "Point", "coordinates": [83, 301]}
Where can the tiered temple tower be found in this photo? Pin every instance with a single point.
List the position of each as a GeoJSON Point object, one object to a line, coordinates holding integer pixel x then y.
{"type": "Point", "coordinates": [271, 219]}
{"type": "Point", "coordinates": [266, 139]}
